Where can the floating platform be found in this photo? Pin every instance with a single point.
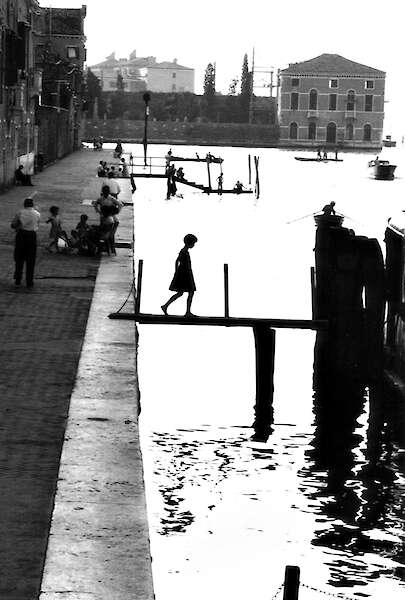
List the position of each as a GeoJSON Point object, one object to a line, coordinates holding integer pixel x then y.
{"type": "Point", "coordinates": [211, 159]}
{"type": "Point", "coordinates": [306, 159]}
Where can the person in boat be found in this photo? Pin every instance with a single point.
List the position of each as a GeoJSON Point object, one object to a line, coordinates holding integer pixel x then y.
{"type": "Point", "coordinates": [171, 184]}
{"type": "Point", "coordinates": [319, 153]}
{"type": "Point", "coordinates": [168, 158]}
{"type": "Point", "coordinates": [329, 209]}
{"type": "Point", "coordinates": [336, 153]}
{"type": "Point", "coordinates": [238, 187]}
{"type": "Point", "coordinates": [220, 180]}
{"type": "Point", "coordinates": [325, 155]}
{"type": "Point", "coordinates": [183, 279]}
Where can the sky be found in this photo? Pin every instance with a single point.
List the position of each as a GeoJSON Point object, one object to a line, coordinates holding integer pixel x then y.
{"type": "Point", "coordinates": [222, 31]}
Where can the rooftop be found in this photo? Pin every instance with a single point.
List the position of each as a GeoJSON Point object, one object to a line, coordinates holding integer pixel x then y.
{"type": "Point", "coordinates": [331, 64]}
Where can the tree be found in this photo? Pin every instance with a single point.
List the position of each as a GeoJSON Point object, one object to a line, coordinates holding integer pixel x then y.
{"type": "Point", "coordinates": [209, 92]}
{"type": "Point", "coordinates": [245, 89]}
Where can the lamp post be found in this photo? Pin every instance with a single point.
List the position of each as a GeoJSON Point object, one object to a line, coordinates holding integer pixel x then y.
{"type": "Point", "coordinates": [146, 99]}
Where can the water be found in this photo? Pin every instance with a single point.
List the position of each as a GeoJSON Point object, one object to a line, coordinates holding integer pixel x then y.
{"type": "Point", "coordinates": [227, 514]}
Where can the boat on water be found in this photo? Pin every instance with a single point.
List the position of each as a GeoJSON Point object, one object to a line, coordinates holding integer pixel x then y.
{"type": "Point", "coordinates": [382, 169]}
{"type": "Point", "coordinates": [317, 159]}
{"type": "Point", "coordinates": [389, 142]}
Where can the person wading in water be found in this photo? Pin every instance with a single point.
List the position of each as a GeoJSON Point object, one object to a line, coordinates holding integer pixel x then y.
{"type": "Point", "coordinates": [183, 279]}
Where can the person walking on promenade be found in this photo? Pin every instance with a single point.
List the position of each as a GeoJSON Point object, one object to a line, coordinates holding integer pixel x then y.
{"type": "Point", "coordinates": [114, 186]}
{"type": "Point", "coordinates": [55, 231]}
{"type": "Point", "coordinates": [183, 279]}
{"type": "Point", "coordinates": [26, 224]}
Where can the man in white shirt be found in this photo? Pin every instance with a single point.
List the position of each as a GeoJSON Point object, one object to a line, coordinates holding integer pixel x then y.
{"type": "Point", "coordinates": [112, 184]}
{"type": "Point", "coordinates": [26, 224]}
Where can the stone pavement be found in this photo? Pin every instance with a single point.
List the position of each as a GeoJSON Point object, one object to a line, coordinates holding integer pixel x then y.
{"type": "Point", "coordinates": [43, 339]}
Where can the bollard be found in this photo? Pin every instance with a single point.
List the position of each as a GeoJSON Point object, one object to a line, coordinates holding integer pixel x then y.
{"type": "Point", "coordinates": [138, 287]}
{"type": "Point", "coordinates": [291, 583]}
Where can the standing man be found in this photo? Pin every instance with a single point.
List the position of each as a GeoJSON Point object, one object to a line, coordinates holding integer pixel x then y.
{"type": "Point", "coordinates": [26, 224]}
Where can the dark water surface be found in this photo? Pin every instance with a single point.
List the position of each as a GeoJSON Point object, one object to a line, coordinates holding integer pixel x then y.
{"type": "Point", "coordinates": [326, 491]}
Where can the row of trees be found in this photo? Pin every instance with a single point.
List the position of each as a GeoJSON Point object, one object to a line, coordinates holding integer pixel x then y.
{"type": "Point", "coordinates": [212, 107]}
{"type": "Point", "coordinates": [242, 107]}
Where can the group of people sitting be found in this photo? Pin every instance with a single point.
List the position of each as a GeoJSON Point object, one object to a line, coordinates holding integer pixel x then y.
{"type": "Point", "coordinates": [103, 170]}
{"type": "Point", "coordinates": [85, 238]}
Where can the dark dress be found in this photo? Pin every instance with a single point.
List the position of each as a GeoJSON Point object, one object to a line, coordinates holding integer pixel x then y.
{"type": "Point", "coordinates": [183, 280]}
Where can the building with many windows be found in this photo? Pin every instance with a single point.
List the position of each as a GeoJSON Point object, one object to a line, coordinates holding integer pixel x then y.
{"type": "Point", "coordinates": [331, 101]}
{"type": "Point", "coordinates": [144, 73]}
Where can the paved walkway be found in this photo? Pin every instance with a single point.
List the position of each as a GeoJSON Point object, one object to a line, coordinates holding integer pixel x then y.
{"type": "Point", "coordinates": [99, 545]}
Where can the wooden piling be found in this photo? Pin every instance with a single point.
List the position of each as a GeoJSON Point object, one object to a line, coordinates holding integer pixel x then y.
{"type": "Point", "coordinates": [250, 170]}
{"type": "Point", "coordinates": [226, 290]}
{"type": "Point", "coordinates": [138, 287]}
{"type": "Point", "coordinates": [209, 174]}
{"type": "Point", "coordinates": [265, 344]}
{"type": "Point", "coordinates": [291, 583]}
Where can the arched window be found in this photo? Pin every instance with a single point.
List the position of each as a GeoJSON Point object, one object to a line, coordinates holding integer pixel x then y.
{"type": "Point", "coordinates": [331, 133]}
{"type": "Point", "coordinates": [351, 100]}
{"type": "Point", "coordinates": [367, 133]}
{"type": "Point", "coordinates": [313, 100]}
{"type": "Point", "coordinates": [312, 131]}
{"type": "Point", "coordinates": [293, 131]}
{"type": "Point", "coordinates": [349, 131]}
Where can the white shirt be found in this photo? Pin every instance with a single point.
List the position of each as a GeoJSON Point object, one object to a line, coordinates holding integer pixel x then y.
{"type": "Point", "coordinates": [112, 184]}
{"type": "Point", "coordinates": [29, 219]}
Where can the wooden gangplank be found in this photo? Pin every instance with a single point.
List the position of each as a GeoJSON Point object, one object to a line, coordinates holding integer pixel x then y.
{"type": "Point", "coordinates": [209, 159]}
{"type": "Point", "coordinates": [150, 319]}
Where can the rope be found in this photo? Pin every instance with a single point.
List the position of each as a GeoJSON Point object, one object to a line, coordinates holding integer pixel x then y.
{"type": "Point", "coordinates": [338, 595]}
{"type": "Point", "coordinates": [280, 587]}
{"type": "Point", "coordinates": [127, 298]}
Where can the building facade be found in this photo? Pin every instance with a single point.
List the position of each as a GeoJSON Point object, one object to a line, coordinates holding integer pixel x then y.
{"type": "Point", "coordinates": [144, 73]}
{"type": "Point", "coordinates": [333, 102]}
{"type": "Point", "coordinates": [35, 56]}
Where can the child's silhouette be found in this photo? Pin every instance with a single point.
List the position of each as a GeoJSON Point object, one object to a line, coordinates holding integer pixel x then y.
{"type": "Point", "coordinates": [183, 279]}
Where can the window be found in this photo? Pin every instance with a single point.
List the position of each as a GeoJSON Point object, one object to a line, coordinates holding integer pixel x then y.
{"type": "Point", "coordinates": [367, 133]}
{"type": "Point", "coordinates": [369, 85]}
{"type": "Point", "coordinates": [294, 100]}
{"type": "Point", "coordinates": [72, 51]}
{"type": "Point", "coordinates": [295, 82]}
{"type": "Point", "coordinates": [333, 83]}
{"type": "Point", "coordinates": [293, 131]}
{"type": "Point", "coordinates": [173, 87]}
{"type": "Point", "coordinates": [312, 131]}
{"type": "Point", "coordinates": [313, 100]}
{"type": "Point", "coordinates": [174, 75]}
{"type": "Point", "coordinates": [368, 104]}
{"type": "Point", "coordinates": [349, 131]}
{"type": "Point", "coordinates": [351, 100]}
{"type": "Point", "coordinates": [332, 101]}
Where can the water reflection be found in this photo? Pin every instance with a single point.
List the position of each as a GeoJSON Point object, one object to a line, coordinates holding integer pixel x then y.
{"type": "Point", "coordinates": [353, 475]}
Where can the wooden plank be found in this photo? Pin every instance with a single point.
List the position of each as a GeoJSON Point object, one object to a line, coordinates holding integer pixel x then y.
{"type": "Point", "coordinates": [149, 319]}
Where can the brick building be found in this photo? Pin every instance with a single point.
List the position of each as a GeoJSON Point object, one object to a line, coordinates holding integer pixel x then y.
{"type": "Point", "coordinates": [144, 73]}
{"type": "Point", "coordinates": [331, 101]}
{"type": "Point", "coordinates": [60, 54]}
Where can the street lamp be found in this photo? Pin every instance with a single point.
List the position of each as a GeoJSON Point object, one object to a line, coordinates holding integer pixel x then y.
{"type": "Point", "coordinates": [146, 99]}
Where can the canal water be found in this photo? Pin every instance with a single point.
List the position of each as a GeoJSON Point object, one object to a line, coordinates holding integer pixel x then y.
{"type": "Point", "coordinates": [227, 514]}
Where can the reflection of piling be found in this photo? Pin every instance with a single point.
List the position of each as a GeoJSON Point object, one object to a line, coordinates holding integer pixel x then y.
{"type": "Point", "coordinates": [265, 344]}
{"type": "Point", "coordinates": [349, 292]}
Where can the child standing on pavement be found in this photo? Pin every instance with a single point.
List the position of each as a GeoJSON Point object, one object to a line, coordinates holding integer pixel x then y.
{"type": "Point", "coordinates": [55, 231]}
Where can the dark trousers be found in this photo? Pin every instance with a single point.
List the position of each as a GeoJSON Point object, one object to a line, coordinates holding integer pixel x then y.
{"type": "Point", "coordinates": [25, 252]}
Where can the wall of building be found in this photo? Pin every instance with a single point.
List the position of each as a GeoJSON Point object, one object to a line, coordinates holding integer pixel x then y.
{"type": "Point", "coordinates": [170, 80]}
{"type": "Point", "coordinates": [341, 116]}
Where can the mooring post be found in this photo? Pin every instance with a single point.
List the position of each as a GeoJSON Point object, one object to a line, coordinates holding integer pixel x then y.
{"type": "Point", "coordinates": [250, 170]}
{"type": "Point", "coordinates": [265, 344]}
{"type": "Point", "coordinates": [209, 173]}
{"type": "Point", "coordinates": [138, 287]}
{"type": "Point", "coordinates": [226, 290]}
{"type": "Point", "coordinates": [291, 583]}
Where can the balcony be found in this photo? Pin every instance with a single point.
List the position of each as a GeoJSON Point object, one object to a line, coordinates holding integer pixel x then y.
{"type": "Point", "coordinates": [313, 114]}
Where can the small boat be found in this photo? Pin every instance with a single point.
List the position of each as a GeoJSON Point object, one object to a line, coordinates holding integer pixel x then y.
{"type": "Point", "coordinates": [389, 142]}
{"type": "Point", "coordinates": [317, 159]}
{"type": "Point", "coordinates": [328, 220]}
{"type": "Point", "coordinates": [382, 169]}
